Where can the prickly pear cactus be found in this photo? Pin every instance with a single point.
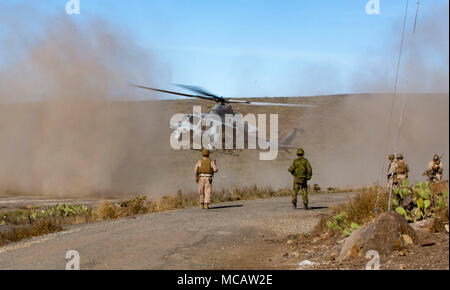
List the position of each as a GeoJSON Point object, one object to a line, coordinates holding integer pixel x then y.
{"type": "Point", "coordinates": [420, 202]}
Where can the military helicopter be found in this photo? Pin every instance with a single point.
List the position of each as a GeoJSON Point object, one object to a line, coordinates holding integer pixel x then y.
{"type": "Point", "coordinates": [222, 109]}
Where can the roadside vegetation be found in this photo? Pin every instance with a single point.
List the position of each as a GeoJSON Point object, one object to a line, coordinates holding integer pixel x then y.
{"type": "Point", "coordinates": [415, 203]}
{"type": "Point", "coordinates": [31, 222]}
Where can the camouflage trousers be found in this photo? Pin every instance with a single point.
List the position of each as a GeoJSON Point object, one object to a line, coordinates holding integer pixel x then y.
{"type": "Point", "coordinates": [204, 189]}
{"type": "Point", "coordinates": [437, 178]}
{"type": "Point", "coordinates": [300, 184]}
{"type": "Point", "coordinates": [391, 178]}
{"type": "Point", "coordinates": [390, 182]}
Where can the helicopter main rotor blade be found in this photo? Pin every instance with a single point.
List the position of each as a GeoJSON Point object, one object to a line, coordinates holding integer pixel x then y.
{"type": "Point", "coordinates": [250, 103]}
{"type": "Point", "coordinates": [197, 90]}
{"type": "Point", "coordinates": [205, 95]}
{"type": "Point", "coordinates": [174, 93]}
{"type": "Point", "coordinates": [227, 100]}
{"type": "Point", "coordinates": [202, 91]}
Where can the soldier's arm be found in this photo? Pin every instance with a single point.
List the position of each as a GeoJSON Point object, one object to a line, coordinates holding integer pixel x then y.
{"type": "Point", "coordinates": [292, 168]}
{"type": "Point", "coordinates": [391, 168]}
{"type": "Point", "coordinates": [213, 165]}
{"type": "Point", "coordinates": [308, 166]}
{"type": "Point", "coordinates": [197, 165]}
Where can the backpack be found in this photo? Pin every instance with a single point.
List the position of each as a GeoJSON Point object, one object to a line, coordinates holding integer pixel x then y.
{"type": "Point", "coordinates": [401, 167]}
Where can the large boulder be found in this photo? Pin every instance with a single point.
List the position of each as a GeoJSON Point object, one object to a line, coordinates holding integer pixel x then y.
{"type": "Point", "coordinates": [386, 233]}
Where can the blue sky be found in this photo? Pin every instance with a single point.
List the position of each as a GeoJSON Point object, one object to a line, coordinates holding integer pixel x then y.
{"type": "Point", "coordinates": [252, 47]}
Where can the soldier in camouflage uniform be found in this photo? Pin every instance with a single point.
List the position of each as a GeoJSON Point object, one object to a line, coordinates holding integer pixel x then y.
{"type": "Point", "coordinates": [391, 170]}
{"type": "Point", "coordinates": [401, 170]}
{"type": "Point", "coordinates": [203, 174]}
{"type": "Point", "coordinates": [435, 169]}
{"type": "Point", "coordinates": [302, 172]}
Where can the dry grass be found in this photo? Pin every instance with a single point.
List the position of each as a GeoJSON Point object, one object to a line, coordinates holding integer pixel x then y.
{"type": "Point", "coordinates": [441, 219]}
{"type": "Point", "coordinates": [439, 187]}
{"type": "Point", "coordinates": [321, 226]}
{"type": "Point", "coordinates": [40, 227]}
{"type": "Point", "coordinates": [441, 216]}
{"type": "Point", "coordinates": [133, 206]}
{"type": "Point", "coordinates": [359, 210]}
{"type": "Point", "coordinates": [106, 211]}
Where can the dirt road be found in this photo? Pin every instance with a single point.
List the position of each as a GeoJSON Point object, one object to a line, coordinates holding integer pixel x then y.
{"type": "Point", "coordinates": [234, 235]}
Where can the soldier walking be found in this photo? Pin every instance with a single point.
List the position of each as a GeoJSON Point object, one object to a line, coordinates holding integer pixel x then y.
{"type": "Point", "coordinates": [302, 172]}
{"type": "Point", "coordinates": [203, 174]}
{"type": "Point", "coordinates": [435, 170]}
{"type": "Point", "coordinates": [401, 170]}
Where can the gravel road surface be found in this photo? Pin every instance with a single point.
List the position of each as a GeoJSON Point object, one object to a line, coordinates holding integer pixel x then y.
{"type": "Point", "coordinates": [233, 235]}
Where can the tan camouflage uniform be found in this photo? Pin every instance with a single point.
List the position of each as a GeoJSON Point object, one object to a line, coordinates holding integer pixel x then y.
{"type": "Point", "coordinates": [391, 170]}
{"type": "Point", "coordinates": [402, 170]}
{"type": "Point", "coordinates": [438, 167]}
{"type": "Point", "coordinates": [203, 174]}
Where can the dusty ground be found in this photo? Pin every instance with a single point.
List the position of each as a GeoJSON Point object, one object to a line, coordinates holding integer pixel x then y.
{"type": "Point", "coordinates": [235, 235]}
{"type": "Point", "coordinates": [431, 253]}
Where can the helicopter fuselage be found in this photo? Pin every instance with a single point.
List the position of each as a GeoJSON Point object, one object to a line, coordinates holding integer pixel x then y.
{"type": "Point", "coordinates": [221, 110]}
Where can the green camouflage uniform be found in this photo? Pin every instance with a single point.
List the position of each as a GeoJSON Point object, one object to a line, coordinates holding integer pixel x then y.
{"type": "Point", "coordinates": [302, 172]}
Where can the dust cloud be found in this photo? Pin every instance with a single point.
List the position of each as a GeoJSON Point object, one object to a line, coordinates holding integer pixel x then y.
{"type": "Point", "coordinates": [348, 139]}
{"type": "Point", "coordinates": [424, 66]}
{"type": "Point", "coordinates": [66, 124]}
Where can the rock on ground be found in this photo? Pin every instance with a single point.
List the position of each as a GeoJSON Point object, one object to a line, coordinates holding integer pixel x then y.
{"type": "Point", "coordinates": [386, 233]}
{"type": "Point", "coordinates": [426, 225]}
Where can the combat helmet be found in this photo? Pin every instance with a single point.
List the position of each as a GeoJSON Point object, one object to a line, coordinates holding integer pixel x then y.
{"type": "Point", "coordinates": [300, 152]}
{"type": "Point", "coordinates": [436, 157]}
{"type": "Point", "coordinates": [205, 152]}
{"type": "Point", "coordinates": [391, 157]}
{"type": "Point", "coordinates": [399, 156]}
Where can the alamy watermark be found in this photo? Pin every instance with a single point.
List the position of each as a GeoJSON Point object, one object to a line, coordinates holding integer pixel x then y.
{"type": "Point", "coordinates": [373, 7]}
{"type": "Point", "coordinates": [73, 7]}
{"type": "Point", "coordinates": [374, 262]}
{"type": "Point", "coordinates": [74, 260]}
